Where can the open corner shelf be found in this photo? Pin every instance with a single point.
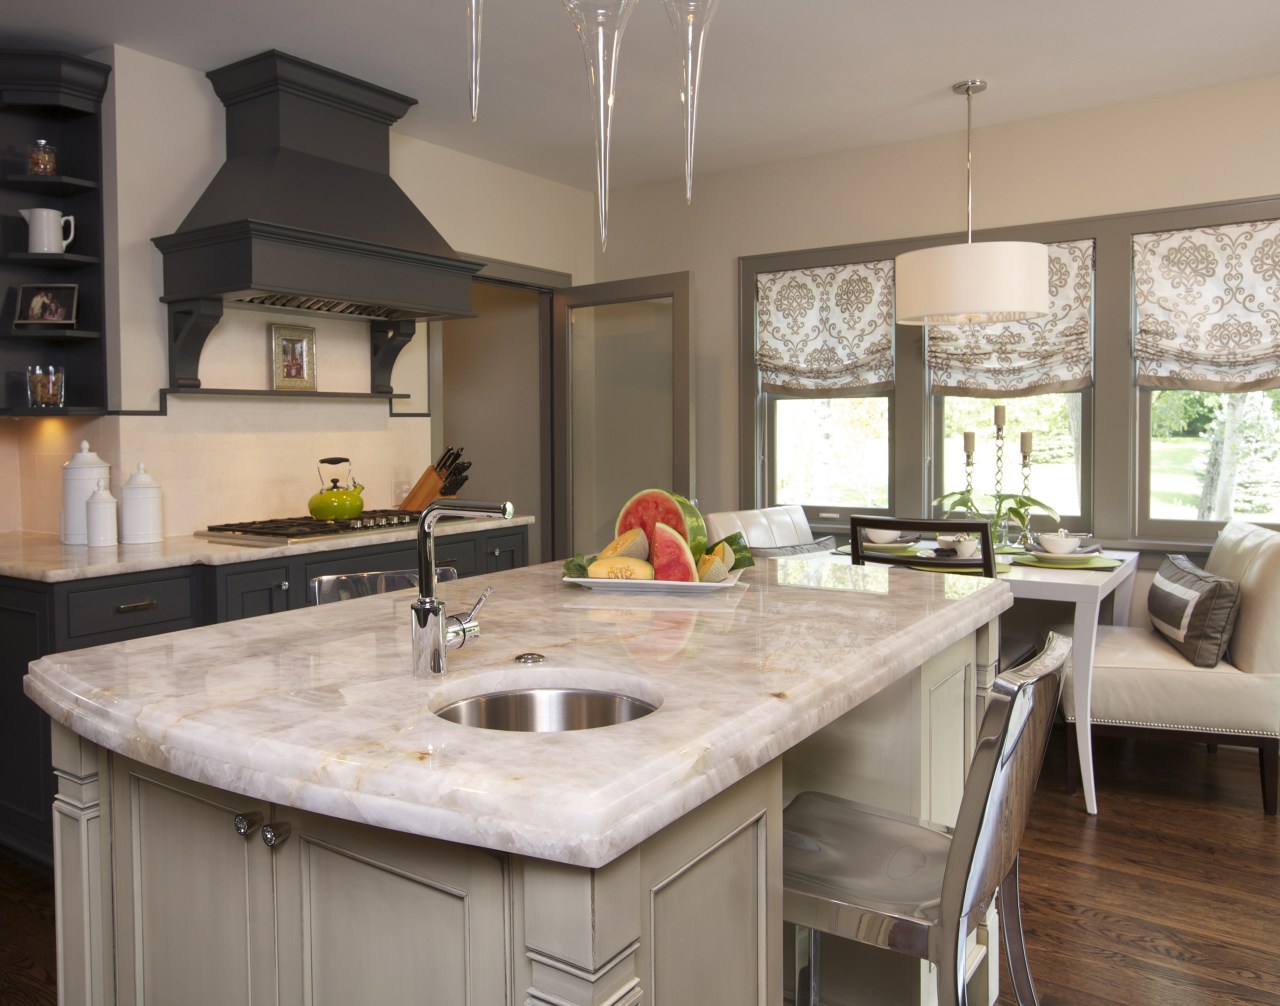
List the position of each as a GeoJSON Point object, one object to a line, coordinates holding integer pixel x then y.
{"type": "Point", "coordinates": [259, 393]}
{"type": "Point", "coordinates": [48, 185]}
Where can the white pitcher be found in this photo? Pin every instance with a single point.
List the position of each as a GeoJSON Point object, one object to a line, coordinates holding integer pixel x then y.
{"type": "Point", "coordinates": [48, 230]}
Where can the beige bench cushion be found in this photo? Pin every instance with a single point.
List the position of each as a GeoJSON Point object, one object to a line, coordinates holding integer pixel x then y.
{"type": "Point", "coordinates": [770, 527]}
{"type": "Point", "coordinates": [1140, 680]}
{"type": "Point", "coordinates": [1250, 555]}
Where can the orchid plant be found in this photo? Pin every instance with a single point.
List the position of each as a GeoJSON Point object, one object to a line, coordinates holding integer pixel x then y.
{"type": "Point", "coordinates": [1013, 507]}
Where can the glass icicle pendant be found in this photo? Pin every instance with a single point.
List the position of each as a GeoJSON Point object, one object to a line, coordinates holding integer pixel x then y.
{"type": "Point", "coordinates": [476, 12]}
{"type": "Point", "coordinates": [690, 19]}
{"type": "Point", "coordinates": [600, 24]}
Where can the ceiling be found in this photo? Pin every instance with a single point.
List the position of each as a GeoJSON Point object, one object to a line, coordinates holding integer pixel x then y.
{"type": "Point", "coordinates": [781, 78]}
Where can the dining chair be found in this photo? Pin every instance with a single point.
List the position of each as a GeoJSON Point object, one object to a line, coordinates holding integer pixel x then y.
{"type": "Point", "coordinates": [905, 525]}
{"type": "Point", "coordinates": [875, 877]}
{"type": "Point", "coordinates": [344, 586]}
{"type": "Point", "coordinates": [769, 531]}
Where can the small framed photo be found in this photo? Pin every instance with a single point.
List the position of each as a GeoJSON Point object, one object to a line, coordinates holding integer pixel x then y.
{"type": "Point", "coordinates": [293, 358]}
{"type": "Point", "coordinates": [47, 304]}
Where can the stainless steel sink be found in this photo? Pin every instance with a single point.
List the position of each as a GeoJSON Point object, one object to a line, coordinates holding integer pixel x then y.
{"type": "Point", "coordinates": [546, 710]}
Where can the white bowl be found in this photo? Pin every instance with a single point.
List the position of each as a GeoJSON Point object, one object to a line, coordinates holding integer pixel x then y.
{"type": "Point", "coordinates": [964, 549]}
{"type": "Point", "coordinates": [880, 537]}
{"type": "Point", "coordinates": [1059, 545]}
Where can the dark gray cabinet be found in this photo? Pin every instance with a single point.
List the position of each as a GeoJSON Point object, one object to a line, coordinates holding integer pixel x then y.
{"type": "Point", "coordinates": [37, 618]}
{"type": "Point", "coordinates": [54, 97]}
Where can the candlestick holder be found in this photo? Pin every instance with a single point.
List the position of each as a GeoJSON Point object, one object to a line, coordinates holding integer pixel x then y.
{"type": "Point", "coordinates": [1025, 538]}
{"type": "Point", "coordinates": [999, 458]}
{"type": "Point", "coordinates": [968, 472]}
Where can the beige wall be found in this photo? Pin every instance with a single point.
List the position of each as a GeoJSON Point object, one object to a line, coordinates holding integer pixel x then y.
{"type": "Point", "coordinates": [1207, 146]}
{"type": "Point", "coordinates": [224, 459]}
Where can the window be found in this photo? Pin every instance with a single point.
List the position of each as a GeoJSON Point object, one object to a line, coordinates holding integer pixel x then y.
{"type": "Point", "coordinates": [1123, 446]}
{"type": "Point", "coordinates": [1056, 424]}
{"type": "Point", "coordinates": [831, 453]}
{"type": "Point", "coordinates": [824, 354]}
{"type": "Point", "coordinates": [1207, 357]}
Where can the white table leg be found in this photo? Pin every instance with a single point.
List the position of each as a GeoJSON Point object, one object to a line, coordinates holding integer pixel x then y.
{"type": "Point", "coordinates": [1083, 642]}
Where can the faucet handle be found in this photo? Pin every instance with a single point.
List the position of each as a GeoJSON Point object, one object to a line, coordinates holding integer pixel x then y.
{"type": "Point", "coordinates": [484, 596]}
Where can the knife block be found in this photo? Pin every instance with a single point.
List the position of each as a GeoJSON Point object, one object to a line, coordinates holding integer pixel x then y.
{"type": "Point", "coordinates": [424, 491]}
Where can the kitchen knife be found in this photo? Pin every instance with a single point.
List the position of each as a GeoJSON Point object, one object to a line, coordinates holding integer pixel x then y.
{"type": "Point", "coordinates": [451, 487]}
{"type": "Point", "coordinates": [446, 459]}
{"type": "Point", "coordinates": [459, 469]}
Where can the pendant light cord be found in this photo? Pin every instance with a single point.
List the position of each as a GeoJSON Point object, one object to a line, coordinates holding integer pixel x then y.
{"type": "Point", "coordinates": [968, 150]}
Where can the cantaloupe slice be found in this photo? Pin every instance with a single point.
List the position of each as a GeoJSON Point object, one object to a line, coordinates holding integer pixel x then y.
{"type": "Point", "coordinates": [633, 543]}
{"type": "Point", "coordinates": [620, 567]}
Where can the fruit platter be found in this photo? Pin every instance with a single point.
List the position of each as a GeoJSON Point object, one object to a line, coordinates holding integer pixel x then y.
{"type": "Point", "coordinates": [660, 543]}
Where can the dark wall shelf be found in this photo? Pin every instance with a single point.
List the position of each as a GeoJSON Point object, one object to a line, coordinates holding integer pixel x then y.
{"type": "Point", "coordinates": [55, 97]}
{"type": "Point", "coordinates": [52, 260]}
{"type": "Point", "coordinates": [50, 185]}
{"type": "Point", "coordinates": [251, 393]}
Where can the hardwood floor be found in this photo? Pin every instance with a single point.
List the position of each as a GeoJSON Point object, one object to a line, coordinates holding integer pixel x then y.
{"type": "Point", "coordinates": [1169, 897]}
{"type": "Point", "coordinates": [28, 966]}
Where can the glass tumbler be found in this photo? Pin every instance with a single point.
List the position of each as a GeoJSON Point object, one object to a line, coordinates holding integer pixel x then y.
{"type": "Point", "coordinates": [45, 386]}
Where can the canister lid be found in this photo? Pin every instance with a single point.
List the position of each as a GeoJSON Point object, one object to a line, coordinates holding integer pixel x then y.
{"type": "Point", "coordinates": [141, 479]}
{"type": "Point", "coordinates": [85, 458]}
{"type": "Point", "coordinates": [102, 494]}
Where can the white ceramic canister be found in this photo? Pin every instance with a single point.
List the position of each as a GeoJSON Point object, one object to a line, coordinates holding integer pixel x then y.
{"type": "Point", "coordinates": [80, 478]}
{"type": "Point", "coordinates": [141, 518]}
{"type": "Point", "coordinates": [100, 516]}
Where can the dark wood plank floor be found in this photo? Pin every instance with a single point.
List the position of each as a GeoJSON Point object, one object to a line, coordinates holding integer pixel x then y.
{"type": "Point", "coordinates": [1170, 897]}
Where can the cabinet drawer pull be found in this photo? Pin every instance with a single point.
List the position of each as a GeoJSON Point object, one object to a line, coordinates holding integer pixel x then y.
{"type": "Point", "coordinates": [497, 551]}
{"type": "Point", "coordinates": [284, 585]}
{"type": "Point", "coordinates": [129, 609]}
{"type": "Point", "coordinates": [275, 834]}
{"type": "Point", "coordinates": [247, 824]}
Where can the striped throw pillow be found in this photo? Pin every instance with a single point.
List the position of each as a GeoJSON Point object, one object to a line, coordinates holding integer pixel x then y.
{"type": "Point", "coordinates": [1194, 610]}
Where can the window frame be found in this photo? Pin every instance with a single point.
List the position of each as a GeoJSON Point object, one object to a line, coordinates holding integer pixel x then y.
{"type": "Point", "coordinates": [1115, 512]}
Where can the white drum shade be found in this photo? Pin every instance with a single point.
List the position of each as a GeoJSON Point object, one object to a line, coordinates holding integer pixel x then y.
{"type": "Point", "coordinates": [977, 283]}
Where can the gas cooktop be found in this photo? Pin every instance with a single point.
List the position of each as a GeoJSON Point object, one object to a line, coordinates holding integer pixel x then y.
{"type": "Point", "coordinates": [289, 530]}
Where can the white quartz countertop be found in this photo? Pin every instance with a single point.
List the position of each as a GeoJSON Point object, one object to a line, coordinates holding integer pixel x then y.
{"type": "Point", "coordinates": [29, 555]}
{"type": "Point", "coordinates": [317, 708]}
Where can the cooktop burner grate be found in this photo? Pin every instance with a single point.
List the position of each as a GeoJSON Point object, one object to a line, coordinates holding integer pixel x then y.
{"type": "Point", "coordinates": [284, 530]}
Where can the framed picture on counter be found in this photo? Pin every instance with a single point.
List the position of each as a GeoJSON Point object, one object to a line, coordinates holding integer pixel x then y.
{"type": "Point", "coordinates": [47, 304]}
{"type": "Point", "coordinates": [293, 358]}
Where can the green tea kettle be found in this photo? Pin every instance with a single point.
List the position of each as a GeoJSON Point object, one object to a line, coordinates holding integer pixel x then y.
{"type": "Point", "coordinates": [338, 502]}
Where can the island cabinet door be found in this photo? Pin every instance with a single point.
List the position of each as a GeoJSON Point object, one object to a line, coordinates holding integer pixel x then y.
{"type": "Point", "coordinates": [193, 897]}
{"type": "Point", "coordinates": [366, 915]}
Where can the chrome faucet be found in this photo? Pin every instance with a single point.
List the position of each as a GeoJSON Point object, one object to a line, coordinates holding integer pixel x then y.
{"type": "Point", "coordinates": [433, 632]}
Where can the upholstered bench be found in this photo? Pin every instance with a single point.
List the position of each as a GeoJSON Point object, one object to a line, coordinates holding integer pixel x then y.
{"type": "Point", "coordinates": [1164, 679]}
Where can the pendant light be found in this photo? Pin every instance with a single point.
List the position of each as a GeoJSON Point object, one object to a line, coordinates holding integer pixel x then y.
{"type": "Point", "coordinates": [690, 18]}
{"type": "Point", "coordinates": [600, 24]}
{"type": "Point", "coordinates": [972, 284]}
{"type": "Point", "coordinates": [475, 14]}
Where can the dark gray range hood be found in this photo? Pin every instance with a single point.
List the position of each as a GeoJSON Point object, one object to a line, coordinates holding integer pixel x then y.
{"type": "Point", "coordinates": [304, 215]}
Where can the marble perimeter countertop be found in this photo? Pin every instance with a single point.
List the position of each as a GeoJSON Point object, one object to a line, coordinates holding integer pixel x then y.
{"type": "Point", "coordinates": [30, 555]}
{"type": "Point", "coordinates": [317, 708]}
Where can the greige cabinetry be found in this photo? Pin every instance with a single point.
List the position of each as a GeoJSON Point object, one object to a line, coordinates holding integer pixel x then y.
{"type": "Point", "coordinates": [333, 913]}
{"type": "Point", "coordinates": [161, 900]}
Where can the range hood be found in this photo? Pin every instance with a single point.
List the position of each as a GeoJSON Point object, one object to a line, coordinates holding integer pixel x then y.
{"type": "Point", "coordinates": [304, 215]}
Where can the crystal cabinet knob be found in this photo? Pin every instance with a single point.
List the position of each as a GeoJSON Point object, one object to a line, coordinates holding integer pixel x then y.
{"type": "Point", "coordinates": [275, 834]}
{"type": "Point", "coordinates": [247, 824]}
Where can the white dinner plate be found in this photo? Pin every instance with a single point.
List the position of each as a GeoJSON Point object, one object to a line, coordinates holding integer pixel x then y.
{"type": "Point", "coordinates": [651, 586]}
{"type": "Point", "coordinates": [1070, 559]}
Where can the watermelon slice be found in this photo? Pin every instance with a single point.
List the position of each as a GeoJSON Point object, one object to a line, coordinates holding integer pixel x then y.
{"type": "Point", "coordinates": [648, 507]}
{"type": "Point", "coordinates": [670, 556]}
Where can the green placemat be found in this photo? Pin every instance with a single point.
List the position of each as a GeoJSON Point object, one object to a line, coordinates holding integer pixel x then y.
{"type": "Point", "coordinates": [1096, 562]}
{"type": "Point", "coordinates": [1001, 567]}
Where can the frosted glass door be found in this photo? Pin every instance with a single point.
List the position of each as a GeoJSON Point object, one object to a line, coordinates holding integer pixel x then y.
{"type": "Point", "coordinates": [621, 387]}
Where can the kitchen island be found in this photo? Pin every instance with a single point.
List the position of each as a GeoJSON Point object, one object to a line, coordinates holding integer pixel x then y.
{"type": "Point", "coordinates": [636, 862]}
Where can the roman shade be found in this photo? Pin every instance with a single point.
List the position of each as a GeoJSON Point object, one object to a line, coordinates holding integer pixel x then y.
{"type": "Point", "coordinates": [1015, 358]}
{"type": "Point", "coordinates": [826, 331]}
{"type": "Point", "coordinates": [1208, 307]}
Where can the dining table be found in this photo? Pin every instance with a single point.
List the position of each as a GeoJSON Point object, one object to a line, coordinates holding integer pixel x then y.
{"type": "Point", "coordinates": [1086, 589]}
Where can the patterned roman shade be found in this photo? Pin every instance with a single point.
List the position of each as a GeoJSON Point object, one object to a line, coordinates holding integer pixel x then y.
{"type": "Point", "coordinates": [827, 331]}
{"type": "Point", "coordinates": [1011, 359]}
{"type": "Point", "coordinates": [1208, 307]}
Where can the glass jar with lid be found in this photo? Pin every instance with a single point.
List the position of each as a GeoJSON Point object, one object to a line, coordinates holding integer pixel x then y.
{"type": "Point", "coordinates": [42, 158]}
